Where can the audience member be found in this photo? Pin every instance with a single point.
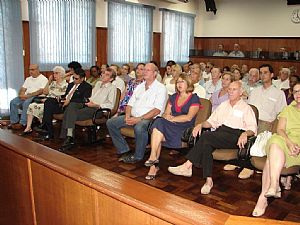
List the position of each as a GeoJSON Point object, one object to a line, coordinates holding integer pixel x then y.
{"type": "Point", "coordinates": [245, 72]}
{"type": "Point", "coordinates": [283, 81]}
{"type": "Point", "coordinates": [179, 115]}
{"type": "Point", "coordinates": [55, 88]}
{"type": "Point", "coordinates": [158, 76]}
{"type": "Point", "coordinates": [283, 150]}
{"type": "Point", "coordinates": [103, 96]}
{"type": "Point", "coordinates": [148, 101]}
{"type": "Point", "coordinates": [198, 89]}
{"type": "Point", "coordinates": [214, 84]}
{"type": "Point", "coordinates": [170, 82]}
{"type": "Point", "coordinates": [269, 101]}
{"type": "Point", "coordinates": [252, 82]}
{"type": "Point", "coordinates": [118, 82]}
{"type": "Point", "coordinates": [33, 86]}
{"type": "Point", "coordinates": [94, 75]}
{"type": "Point", "coordinates": [220, 51]}
{"type": "Point", "coordinates": [234, 121]}
{"type": "Point", "coordinates": [289, 92]}
{"type": "Point", "coordinates": [72, 67]}
{"type": "Point", "coordinates": [237, 74]}
{"type": "Point", "coordinates": [103, 69]}
{"type": "Point", "coordinates": [236, 52]}
{"type": "Point", "coordinates": [206, 74]}
{"type": "Point", "coordinates": [221, 95]}
{"type": "Point", "coordinates": [125, 73]}
{"type": "Point", "coordinates": [132, 84]}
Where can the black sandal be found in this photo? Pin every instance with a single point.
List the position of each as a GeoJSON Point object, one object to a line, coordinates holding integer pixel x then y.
{"type": "Point", "coordinates": [152, 177]}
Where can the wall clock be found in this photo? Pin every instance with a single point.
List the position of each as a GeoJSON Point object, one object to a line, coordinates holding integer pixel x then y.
{"type": "Point", "coordinates": [295, 18]}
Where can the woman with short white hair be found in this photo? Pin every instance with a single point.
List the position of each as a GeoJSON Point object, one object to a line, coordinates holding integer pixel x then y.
{"type": "Point", "coordinates": [55, 88]}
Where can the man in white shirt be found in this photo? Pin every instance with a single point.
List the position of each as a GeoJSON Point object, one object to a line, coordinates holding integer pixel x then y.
{"type": "Point", "coordinates": [220, 51]}
{"type": "Point", "coordinates": [148, 101]}
{"type": "Point", "coordinates": [283, 82]}
{"type": "Point", "coordinates": [236, 52]}
{"type": "Point", "coordinates": [269, 101]}
{"type": "Point", "coordinates": [215, 83]}
{"type": "Point", "coordinates": [33, 86]}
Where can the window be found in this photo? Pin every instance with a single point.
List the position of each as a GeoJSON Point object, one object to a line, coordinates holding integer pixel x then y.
{"type": "Point", "coordinates": [177, 36]}
{"type": "Point", "coordinates": [62, 31]}
{"type": "Point", "coordinates": [11, 54]}
{"type": "Point", "coordinates": [129, 32]}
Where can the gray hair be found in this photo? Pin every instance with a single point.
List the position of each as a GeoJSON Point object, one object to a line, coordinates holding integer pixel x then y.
{"type": "Point", "coordinates": [60, 70]}
{"type": "Point", "coordinates": [254, 70]}
{"type": "Point", "coordinates": [286, 70]}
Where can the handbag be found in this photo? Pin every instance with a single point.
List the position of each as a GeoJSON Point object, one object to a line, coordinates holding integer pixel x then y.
{"type": "Point", "coordinates": [258, 148]}
{"type": "Point", "coordinates": [244, 153]}
{"type": "Point", "coordinates": [188, 137]}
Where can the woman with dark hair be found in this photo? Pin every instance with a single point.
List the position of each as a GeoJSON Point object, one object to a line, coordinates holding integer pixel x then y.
{"type": "Point", "coordinates": [180, 114]}
{"type": "Point", "coordinates": [289, 92]}
{"type": "Point", "coordinates": [94, 75]}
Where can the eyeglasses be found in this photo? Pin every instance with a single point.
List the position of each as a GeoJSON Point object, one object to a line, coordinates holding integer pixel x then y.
{"type": "Point", "coordinates": [296, 92]}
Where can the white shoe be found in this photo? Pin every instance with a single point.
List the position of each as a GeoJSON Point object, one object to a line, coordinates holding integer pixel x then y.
{"type": "Point", "coordinates": [181, 171]}
{"type": "Point", "coordinates": [230, 167]}
{"type": "Point", "coordinates": [205, 190]}
{"type": "Point", "coordinates": [246, 173]}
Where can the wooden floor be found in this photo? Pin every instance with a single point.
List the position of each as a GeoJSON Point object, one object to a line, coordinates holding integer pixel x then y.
{"type": "Point", "coordinates": [229, 194]}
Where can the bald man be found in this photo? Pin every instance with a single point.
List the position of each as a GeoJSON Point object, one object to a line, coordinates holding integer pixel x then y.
{"type": "Point", "coordinates": [148, 101]}
{"type": "Point", "coordinates": [234, 121]}
{"type": "Point", "coordinates": [33, 86]}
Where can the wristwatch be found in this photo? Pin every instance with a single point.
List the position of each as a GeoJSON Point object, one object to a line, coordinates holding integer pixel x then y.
{"type": "Point", "coordinates": [142, 118]}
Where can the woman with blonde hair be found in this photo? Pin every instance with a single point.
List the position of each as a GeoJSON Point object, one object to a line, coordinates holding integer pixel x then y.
{"type": "Point", "coordinates": [180, 114]}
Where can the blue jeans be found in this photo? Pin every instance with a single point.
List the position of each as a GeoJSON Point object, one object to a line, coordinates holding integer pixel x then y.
{"type": "Point", "coordinates": [16, 104]}
{"type": "Point", "coordinates": [114, 126]}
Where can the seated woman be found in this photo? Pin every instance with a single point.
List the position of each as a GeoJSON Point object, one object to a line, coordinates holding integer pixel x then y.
{"type": "Point", "coordinates": [180, 114]}
{"type": "Point", "coordinates": [289, 92]}
{"type": "Point", "coordinates": [170, 82]}
{"type": "Point", "coordinates": [54, 89]}
{"type": "Point", "coordinates": [283, 150]}
{"type": "Point", "coordinates": [132, 84]}
{"type": "Point", "coordinates": [221, 95]}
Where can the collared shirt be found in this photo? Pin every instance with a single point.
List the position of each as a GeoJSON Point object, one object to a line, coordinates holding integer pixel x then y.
{"type": "Point", "coordinates": [220, 53]}
{"type": "Point", "coordinates": [199, 90]}
{"type": "Point", "coordinates": [119, 83]}
{"type": "Point", "coordinates": [33, 84]}
{"type": "Point", "coordinates": [104, 95]}
{"type": "Point", "coordinates": [248, 88]}
{"type": "Point", "coordinates": [281, 84]}
{"type": "Point", "coordinates": [269, 102]}
{"type": "Point", "coordinates": [210, 88]}
{"type": "Point", "coordinates": [239, 116]}
{"type": "Point", "coordinates": [170, 87]}
{"type": "Point", "coordinates": [143, 101]}
{"type": "Point", "coordinates": [71, 92]}
{"type": "Point", "coordinates": [239, 54]}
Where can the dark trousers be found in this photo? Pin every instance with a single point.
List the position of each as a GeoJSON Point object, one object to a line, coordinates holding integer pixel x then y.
{"type": "Point", "coordinates": [201, 154]}
{"type": "Point", "coordinates": [51, 106]}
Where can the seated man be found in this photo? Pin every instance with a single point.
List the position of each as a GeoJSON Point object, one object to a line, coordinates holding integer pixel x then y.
{"type": "Point", "coordinates": [236, 52]}
{"type": "Point", "coordinates": [148, 101]}
{"type": "Point", "coordinates": [77, 92]}
{"type": "Point", "coordinates": [234, 120]}
{"type": "Point", "coordinates": [103, 96]}
{"type": "Point", "coordinates": [220, 51]}
{"type": "Point", "coordinates": [33, 86]}
{"type": "Point", "coordinates": [283, 81]}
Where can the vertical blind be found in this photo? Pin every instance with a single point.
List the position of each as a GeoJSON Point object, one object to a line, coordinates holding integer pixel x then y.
{"type": "Point", "coordinates": [177, 36]}
{"type": "Point", "coordinates": [129, 33]}
{"type": "Point", "coordinates": [11, 52]}
{"type": "Point", "coordinates": [62, 31]}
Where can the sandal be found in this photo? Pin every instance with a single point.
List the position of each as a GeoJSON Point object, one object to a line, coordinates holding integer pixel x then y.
{"type": "Point", "coordinates": [150, 162]}
{"type": "Point", "coordinates": [152, 176]}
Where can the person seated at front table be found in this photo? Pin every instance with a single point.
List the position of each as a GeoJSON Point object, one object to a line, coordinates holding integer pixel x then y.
{"type": "Point", "coordinates": [179, 115]}
{"type": "Point", "coordinates": [283, 150]}
{"type": "Point", "coordinates": [236, 52]}
{"type": "Point", "coordinates": [55, 88]}
{"type": "Point", "coordinates": [234, 121]}
{"type": "Point", "coordinates": [220, 51]}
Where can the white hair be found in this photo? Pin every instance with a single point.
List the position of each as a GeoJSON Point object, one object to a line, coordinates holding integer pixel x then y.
{"type": "Point", "coordinates": [60, 70]}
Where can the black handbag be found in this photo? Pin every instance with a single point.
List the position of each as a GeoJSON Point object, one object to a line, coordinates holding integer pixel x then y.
{"type": "Point", "coordinates": [244, 153]}
{"type": "Point", "coordinates": [188, 137]}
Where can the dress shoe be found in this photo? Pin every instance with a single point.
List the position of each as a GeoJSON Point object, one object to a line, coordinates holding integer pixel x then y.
{"type": "Point", "coordinates": [46, 137]}
{"type": "Point", "coordinates": [205, 190]}
{"type": "Point", "coordinates": [124, 155]}
{"type": "Point", "coordinates": [246, 173]}
{"type": "Point", "coordinates": [229, 167]}
{"type": "Point", "coordinates": [40, 129]}
{"type": "Point", "coordinates": [24, 133]}
{"type": "Point", "coordinates": [131, 159]}
{"type": "Point", "coordinates": [67, 145]}
{"type": "Point", "coordinates": [181, 170]}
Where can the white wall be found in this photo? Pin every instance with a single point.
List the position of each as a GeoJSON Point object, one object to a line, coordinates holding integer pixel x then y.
{"type": "Point", "coordinates": [234, 18]}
